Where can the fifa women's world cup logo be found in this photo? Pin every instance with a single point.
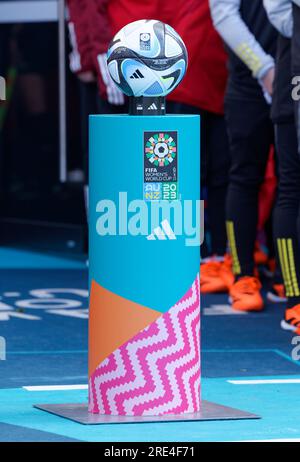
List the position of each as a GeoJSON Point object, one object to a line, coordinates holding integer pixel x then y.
{"type": "Point", "coordinates": [160, 166]}
{"type": "Point", "coordinates": [161, 149]}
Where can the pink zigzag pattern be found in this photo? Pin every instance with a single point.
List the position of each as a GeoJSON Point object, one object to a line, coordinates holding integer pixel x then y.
{"type": "Point", "coordinates": [156, 372]}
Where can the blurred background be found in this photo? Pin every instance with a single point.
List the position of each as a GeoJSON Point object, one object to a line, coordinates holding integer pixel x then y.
{"type": "Point", "coordinates": [42, 141]}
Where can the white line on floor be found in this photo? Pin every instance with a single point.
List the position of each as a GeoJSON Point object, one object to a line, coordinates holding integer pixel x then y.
{"type": "Point", "coordinates": [55, 387]}
{"type": "Point", "coordinates": [222, 310]}
{"type": "Point", "coordinates": [262, 382]}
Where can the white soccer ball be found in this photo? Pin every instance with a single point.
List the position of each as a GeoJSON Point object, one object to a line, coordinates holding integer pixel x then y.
{"type": "Point", "coordinates": [147, 58]}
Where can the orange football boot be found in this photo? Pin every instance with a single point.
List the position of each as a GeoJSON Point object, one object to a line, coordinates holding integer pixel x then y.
{"type": "Point", "coordinates": [245, 294]}
{"type": "Point", "coordinates": [210, 279]}
{"type": "Point", "coordinates": [292, 319]}
{"type": "Point", "coordinates": [216, 276]}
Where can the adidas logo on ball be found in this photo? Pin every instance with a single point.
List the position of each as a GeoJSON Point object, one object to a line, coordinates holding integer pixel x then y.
{"type": "Point", "coordinates": [137, 75]}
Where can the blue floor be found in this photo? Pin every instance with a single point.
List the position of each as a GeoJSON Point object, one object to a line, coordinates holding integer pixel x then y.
{"type": "Point", "coordinates": [12, 258]}
{"type": "Point", "coordinates": [43, 318]}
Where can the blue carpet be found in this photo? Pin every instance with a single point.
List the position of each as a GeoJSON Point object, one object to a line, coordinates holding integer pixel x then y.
{"type": "Point", "coordinates": [12, 258]}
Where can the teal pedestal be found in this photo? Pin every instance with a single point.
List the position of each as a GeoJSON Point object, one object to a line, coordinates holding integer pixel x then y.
{"type": "Point", "coordinates": [126, 186]}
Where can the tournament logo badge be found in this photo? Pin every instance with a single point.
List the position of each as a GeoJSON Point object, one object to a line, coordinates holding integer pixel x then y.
{"type": "Point", "coordinates": [145, 42]}
{"type": "Point", "coordinates": [160, 166]}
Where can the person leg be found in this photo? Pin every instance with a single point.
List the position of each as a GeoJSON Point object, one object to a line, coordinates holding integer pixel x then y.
{"type": "Point", "coordinates": [216, 274]}
{"type": "Point", "coordinates": [250, 136]}
{"type": "Point", "coordinates": [286, 216]}
{"type": "Point", "coordinates": [217, 180]}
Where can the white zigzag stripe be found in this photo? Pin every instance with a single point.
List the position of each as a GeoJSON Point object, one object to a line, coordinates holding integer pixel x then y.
{"type": "Point", "coordinates": [159, 391]}
{"type": "Point", "coordinates": [186, 379]}
{"type": "Point", "coordinates": [152, 360]}
{"type": "Point", "coordinates": [162, 335]}
{"type": "Point", "coordinates": [188, 374]}
{"type": "Point", "coordinates": [132, 348]}
{"type": "Point", "coordinates": [130, 402]}
{"type": "Point", "coordinates": [139, 381]}
{"type": "Point", "coordinates": [187, 387]}
{"type": "Point", "coordinates": [119, 372]}
{"type": "Point", "coordinates": [153, 357]}
{"type": "Point", "coordinates": [173, 366]}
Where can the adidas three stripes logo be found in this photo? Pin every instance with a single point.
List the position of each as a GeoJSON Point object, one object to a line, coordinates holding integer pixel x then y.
{"type": "Point", "coordinates": [152, 107]}
{"type": "Point", "coordinates": [162, 232]}
{"type": "Point", "coordinates": [137, 75]}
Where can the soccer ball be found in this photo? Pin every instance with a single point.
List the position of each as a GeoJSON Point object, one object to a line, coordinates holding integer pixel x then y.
{"type": "Point", "coordinates": [147, 58]}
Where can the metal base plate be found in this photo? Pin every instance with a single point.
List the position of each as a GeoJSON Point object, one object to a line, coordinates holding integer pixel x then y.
{"type": "Point", "coordinates": [209, 411]}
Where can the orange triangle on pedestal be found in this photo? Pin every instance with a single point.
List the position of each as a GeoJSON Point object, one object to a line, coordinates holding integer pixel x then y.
{"type": "Point", "coordinates": [113, 320]}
